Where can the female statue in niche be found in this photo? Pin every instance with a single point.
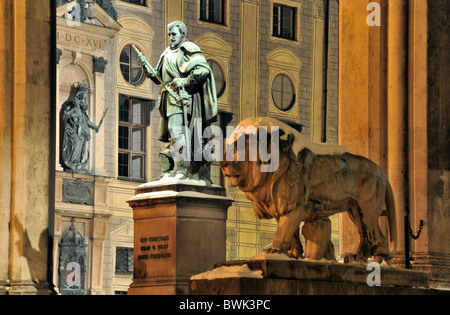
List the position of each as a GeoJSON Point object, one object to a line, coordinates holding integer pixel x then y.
{"type": "Point", "coordinates": [76, 132]}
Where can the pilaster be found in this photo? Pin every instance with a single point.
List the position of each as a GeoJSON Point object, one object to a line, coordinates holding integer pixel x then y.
{"type": "Point", "coordinates": [249, 59]}
{"type": "Point", "coordinates": [174, 11]}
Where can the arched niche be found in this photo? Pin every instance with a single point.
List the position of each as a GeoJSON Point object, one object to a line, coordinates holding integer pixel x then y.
{"type": "Point", "coordinates": [72, 70]}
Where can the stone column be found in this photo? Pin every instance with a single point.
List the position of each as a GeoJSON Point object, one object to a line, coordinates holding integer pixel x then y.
{"type": "Point", "coordinates": [417, 120]}
{"type": "Point", "coordinates": [435, 238]}
{"type": "Point", "coordinates": [397, 109]}
{"type": "Point", "coordinates": [393, 78]}
{"type": "Point", "coordinates": [179, 231]}
{"type": "Point", "coordinates": [25, 141]}
{"type": "Point", "coordinates": [353, 98]}
{"type": "Point", "coordinates": [373, 98]}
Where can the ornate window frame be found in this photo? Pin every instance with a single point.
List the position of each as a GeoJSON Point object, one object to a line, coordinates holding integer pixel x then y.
{"type": "Point", "coordinates": [147, 8]}
{"type": "Point", "coordinates": [284, 61]}
{"type": "Point", "coordinates": [226, 17]}
{"type": "Point", "coordinates": [297, 5]}
{"type": "Point", "coordinates": [131, 151]}
{"type": "Point", "coordinates": [135, 31]}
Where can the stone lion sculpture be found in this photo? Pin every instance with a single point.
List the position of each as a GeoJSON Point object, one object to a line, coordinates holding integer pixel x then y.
{"type": "Point", "coordinates": [311, 182]}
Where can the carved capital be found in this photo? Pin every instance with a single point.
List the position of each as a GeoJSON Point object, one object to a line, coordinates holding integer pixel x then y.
{"type": "Point", "coordinates": [76, 57]}
{"type": "Point", "coordinates": [99, 64]}
{"type": "Point", "coordinates": [319, 10]}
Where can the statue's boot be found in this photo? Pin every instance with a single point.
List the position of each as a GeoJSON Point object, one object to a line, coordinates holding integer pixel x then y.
{"type": "Point", "coordinates": [179, 171]}
{"type": "Point", "coordinates": [180, 165]}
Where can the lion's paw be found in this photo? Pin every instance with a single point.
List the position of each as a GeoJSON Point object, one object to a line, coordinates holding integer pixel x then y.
{"type": "Point", "coordinates": [295, 253]}
{"type": "Point", "coordinates": [353, 258]}
{"type": "Point", "coordinates": [273, 250]}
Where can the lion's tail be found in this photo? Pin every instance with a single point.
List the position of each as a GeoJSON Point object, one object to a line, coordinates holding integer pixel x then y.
{"type": "Point", "coordinates": [392, 217]}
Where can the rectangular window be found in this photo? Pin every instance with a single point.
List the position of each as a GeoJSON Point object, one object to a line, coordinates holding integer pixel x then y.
{"type": "Point", "coordinates": [138, 2]}
{"type": "Point", "coordinates": [284, 19]}
{"type": "Point", "coordinates": [134, 118]}
{"type": "Point", "coordinates": [212, 11]}
{"type": "Point", "coordinates": [124, 260]}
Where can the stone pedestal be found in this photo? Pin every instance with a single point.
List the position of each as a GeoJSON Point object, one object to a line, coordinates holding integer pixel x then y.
{"type": "Point", "coordinates": [28, 288]}
{"type": "Point", "coordinates": [299, 277]}
{"type": "Point", "coordinates": [179, 231]}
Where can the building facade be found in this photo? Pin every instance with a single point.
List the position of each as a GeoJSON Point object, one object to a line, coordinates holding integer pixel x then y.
{"type": "Point", "coordinates": [393, 108]}
{"type": "Point", "coordinates": [275, 58]}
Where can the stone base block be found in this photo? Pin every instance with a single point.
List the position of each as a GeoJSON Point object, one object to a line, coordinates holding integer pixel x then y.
{"type": "Point", "coordinates": [27, 288]}
{"type": "Point", "coordinates": [179, 231]}
{"type": "Point", "coordinates": [299, 277]}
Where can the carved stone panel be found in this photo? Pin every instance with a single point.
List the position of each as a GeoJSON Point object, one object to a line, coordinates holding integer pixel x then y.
{"type": "Point", "coordinates": [77, 192]}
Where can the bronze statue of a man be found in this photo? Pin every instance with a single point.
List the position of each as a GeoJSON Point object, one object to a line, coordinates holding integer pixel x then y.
{"type": "Point", "coordinates": [187, 97]}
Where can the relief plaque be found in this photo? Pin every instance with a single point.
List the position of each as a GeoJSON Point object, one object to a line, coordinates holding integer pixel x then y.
{"type": "Point", "coordinates": [78, 192]}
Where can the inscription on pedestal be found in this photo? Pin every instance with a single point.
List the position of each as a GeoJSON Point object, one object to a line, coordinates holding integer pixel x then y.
{"type": "Point", "coordinates": [154, 248]}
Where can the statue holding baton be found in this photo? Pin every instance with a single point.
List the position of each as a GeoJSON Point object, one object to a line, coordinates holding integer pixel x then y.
{"type": "Point", "coordinates": [187, 97]}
